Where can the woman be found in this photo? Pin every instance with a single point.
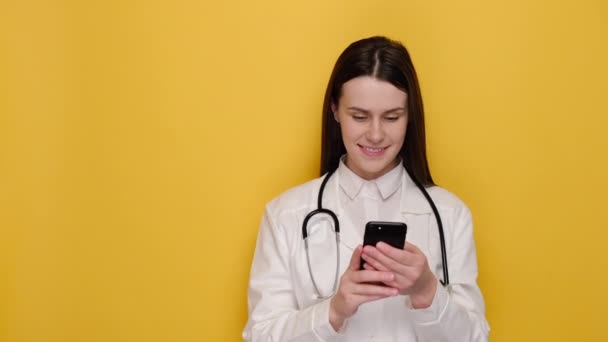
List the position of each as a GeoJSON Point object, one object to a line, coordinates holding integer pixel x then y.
{"type": "Point", "coordinates": [373, 153]}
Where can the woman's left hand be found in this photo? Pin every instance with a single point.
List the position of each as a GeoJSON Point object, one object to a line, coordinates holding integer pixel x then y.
{"type": "Point", "coordinates": [413, 276]}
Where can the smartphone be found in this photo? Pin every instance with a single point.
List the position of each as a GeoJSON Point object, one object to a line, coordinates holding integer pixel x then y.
{"type": "Point", "coordinates": [392, 233]}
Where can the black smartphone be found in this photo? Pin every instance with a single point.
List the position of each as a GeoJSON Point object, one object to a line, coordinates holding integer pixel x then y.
{"type": "Point", "coordinates": [392, 233]}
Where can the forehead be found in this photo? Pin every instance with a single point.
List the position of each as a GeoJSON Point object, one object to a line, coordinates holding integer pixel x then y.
{"type": "Point", "coordinates": [372, 94]}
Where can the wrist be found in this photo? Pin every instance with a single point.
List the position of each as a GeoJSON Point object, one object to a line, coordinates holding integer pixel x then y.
{"type": "Point", "coordinates": [335, 319]}
{"type": "Point", "coordinates": [423, 298]}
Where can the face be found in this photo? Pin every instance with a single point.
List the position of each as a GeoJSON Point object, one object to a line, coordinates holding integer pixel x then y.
{"type": "Point", "coordinates": [373, 119]}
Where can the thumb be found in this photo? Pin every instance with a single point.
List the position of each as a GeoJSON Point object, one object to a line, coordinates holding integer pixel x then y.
{"type": "Point", "coordinates": [355, 259]}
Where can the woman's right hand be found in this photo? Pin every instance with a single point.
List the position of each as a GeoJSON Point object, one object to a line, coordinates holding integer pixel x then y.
{"type": "Point", "coordinates": [358, 287]}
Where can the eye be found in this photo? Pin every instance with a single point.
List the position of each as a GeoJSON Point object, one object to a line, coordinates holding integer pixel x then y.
{"type": "Point", "coordinates": [359, 117]}
{"type": "Point", "coordinates": [392, 118]}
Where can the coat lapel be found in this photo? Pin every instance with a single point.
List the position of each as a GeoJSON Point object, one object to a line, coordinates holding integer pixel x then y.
{"type": "Point", "coordinates": [349, 237]}
{"type": "Point", "coordinates": [422, 227]}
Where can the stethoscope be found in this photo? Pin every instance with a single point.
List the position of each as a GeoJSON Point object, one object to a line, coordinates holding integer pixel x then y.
{"type": "Point", "coordinates": [321, 210]}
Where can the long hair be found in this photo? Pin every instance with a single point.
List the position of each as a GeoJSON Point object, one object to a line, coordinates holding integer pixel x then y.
{"type": "Point", "coordinates": [386, 60]}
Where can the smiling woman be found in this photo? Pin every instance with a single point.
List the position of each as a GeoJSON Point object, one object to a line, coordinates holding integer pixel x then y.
{"type": "Point", "coordinates": [373, 123]}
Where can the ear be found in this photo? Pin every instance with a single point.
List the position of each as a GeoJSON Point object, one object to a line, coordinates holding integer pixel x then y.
{"type": "Point", "coordinates": [334, 110]}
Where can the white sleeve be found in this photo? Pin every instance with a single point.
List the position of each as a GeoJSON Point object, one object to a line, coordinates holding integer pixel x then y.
{"type": "Point", "coordinates": [457, 313]}
{"type": "Point", "coordinates": [273, 311]}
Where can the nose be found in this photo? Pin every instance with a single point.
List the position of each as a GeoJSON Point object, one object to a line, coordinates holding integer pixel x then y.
{"type": "Point", "coordinates": [375, 132]}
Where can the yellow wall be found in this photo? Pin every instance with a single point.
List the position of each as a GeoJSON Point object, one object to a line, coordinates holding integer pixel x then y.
{"type": "Point", "coordinates": [140, 140]}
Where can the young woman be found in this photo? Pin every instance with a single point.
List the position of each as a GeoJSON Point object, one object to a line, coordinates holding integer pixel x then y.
{"type": "Point", "coordinates": [374, 168]}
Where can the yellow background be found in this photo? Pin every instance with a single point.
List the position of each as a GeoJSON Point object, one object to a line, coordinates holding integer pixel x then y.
{"type": "Point", "coordinates": [140, 140]}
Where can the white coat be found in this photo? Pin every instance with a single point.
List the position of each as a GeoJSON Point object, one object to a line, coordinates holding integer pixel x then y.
{"type": "Point", "coordinates": [283, 304]}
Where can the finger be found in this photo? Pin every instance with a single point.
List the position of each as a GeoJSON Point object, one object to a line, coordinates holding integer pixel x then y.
{"type": "Point", "coordinates": [400, 255]}
{"type": "Point", "coordinates": [355, 259]}
{"type": "Point", "coordinates": [373, 262]}
{"type": "Point", "coordinates": [372, 298]}
{"type": "Point", "coordinates": [370, 276]}
{"type": "Point", "coordinates": [390, 258]}
{"type": "Point", "coordinates": [367, 299]}
{"type": "Point", "coordinates": [374, 290]}
{"type": "Point", "coordinates": [369, 267]}
{"type": "Point", "coordinates": [398, 278]}
{"type": "Point", "coordinates": [379, 260]}
{"type": "Point", "coordinates": [410, 247]}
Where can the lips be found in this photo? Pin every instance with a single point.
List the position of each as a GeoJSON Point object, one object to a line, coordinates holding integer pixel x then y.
{"type": "Point", "coordinates": [372, 151]}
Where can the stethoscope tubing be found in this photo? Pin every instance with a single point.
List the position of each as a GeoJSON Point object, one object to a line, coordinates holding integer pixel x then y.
{"type": "Point", "coordinates": [321, 210]}
{"type": "Point", "coordinates": [444, 258]}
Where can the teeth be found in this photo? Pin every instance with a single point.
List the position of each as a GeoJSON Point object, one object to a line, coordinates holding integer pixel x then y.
{"type": "Point", "coordinates": [373, 149]}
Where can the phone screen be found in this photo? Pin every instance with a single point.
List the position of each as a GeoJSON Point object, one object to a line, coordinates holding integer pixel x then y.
{"type": "Point", "coordinates": [392, 233]}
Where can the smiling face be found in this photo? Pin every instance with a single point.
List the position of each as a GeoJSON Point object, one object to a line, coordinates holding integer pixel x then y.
{"type": "Point", "coordinates": [373, 120]}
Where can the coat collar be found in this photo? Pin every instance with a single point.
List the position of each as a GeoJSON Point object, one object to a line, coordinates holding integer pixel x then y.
{"type": "Point", "coordinates": [412, 199]}
{"type": "Point", "coordinates": [385, 185]}
{"type": "Point", "coordinates": [412, 202]}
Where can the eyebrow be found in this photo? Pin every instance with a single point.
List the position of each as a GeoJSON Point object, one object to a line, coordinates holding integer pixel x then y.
{"type": "Point", "coordinates": [365, 111]}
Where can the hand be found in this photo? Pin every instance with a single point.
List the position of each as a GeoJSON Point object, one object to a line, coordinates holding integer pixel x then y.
{"type": "Point", "coordinates": [413, 276]}
{"type": "Point", "coordinates": [355, 289]}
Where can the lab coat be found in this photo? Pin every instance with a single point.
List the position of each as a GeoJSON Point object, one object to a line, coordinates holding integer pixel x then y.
{"type": "Point", "coordinates": [284, 306]}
